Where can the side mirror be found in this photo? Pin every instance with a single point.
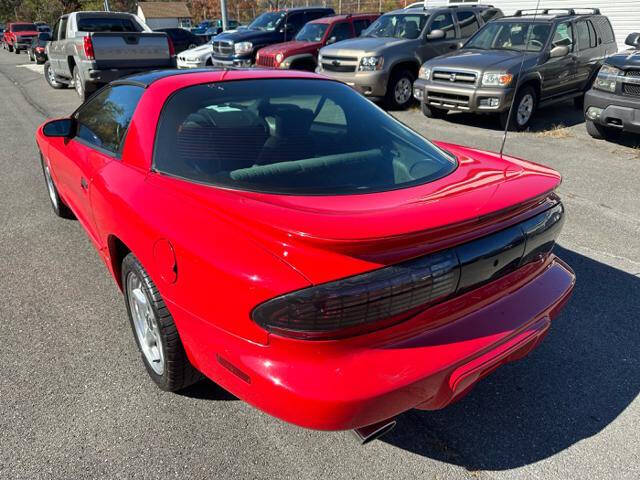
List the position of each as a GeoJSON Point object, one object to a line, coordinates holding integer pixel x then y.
{"type": "Point", "coordinates": [436, 35]}
{"type": "Point", "coordinates": [331, 40]}
{"type": "Point", "coordinates": [633, 40]}
{"type": "Point", "coordinates": [62, 127]}
{"type": "Point", "coordinates": [559, 51]}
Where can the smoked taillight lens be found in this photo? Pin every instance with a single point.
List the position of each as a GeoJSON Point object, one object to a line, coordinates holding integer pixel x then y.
{"type": "Point", "coordinates": [87, 45]}
{"type": "Point", "coordinates": [382, 297]}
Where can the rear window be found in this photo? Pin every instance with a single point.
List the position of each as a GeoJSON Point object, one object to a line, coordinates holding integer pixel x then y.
{"type": "Point", "coordinates": [107, 24]}
{"type": "Point", "coordinates": [291, 136]}
{"type": "Point", "coordinates": [25, 27]}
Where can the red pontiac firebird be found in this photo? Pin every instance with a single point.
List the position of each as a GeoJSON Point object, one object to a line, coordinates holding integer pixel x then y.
{"type": "Point", "coordinates": [281, 235]}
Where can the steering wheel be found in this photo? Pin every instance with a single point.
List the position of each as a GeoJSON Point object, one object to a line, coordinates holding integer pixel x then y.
{"type": "Point", "coordinates": [537, 43]}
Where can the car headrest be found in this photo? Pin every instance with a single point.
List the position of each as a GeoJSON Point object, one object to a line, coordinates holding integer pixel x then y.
{"type": "Point", "coordinates": [292, 122]}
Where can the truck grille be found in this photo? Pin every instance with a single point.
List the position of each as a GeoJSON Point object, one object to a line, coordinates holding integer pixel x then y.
{"type": "Point", "coordinates": [339, 64]}
{"type": "Point", "coordinates": [465, 78]}
{"type": "Point", "coordinates": [631, 86]}
{"type": "Point", "coordinates": [223, 48]}
{"type": "Point", "coordinates": [266, 61]}
{"type": "Point", "coordinates": [459, 102]}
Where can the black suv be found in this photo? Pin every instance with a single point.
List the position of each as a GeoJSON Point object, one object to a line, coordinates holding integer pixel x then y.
{"type": "Point", "coordinates": [560, 52]}
{"type": "Point", "coordinates": [613, 103]}
{"type": "Point", "coordinates": [239, 48]}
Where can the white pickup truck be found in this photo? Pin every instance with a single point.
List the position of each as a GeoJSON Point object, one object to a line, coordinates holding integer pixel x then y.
{"type": "Point", "coordinates": [90, 49]}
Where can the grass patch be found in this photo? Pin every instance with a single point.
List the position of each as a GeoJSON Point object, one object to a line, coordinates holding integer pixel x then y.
{"type": "Point", "coordinates": [556, 131]}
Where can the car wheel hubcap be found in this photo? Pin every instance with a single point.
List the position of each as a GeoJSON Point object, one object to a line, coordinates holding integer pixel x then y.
{"type": "Point", "coordinates": [145, 324]}
{"type": "Point", "coordinates": [403, 90]}
{"type": "Point", "coordinates": [50, 187]}
{"type": "Point", "coordinates": [525, 109]}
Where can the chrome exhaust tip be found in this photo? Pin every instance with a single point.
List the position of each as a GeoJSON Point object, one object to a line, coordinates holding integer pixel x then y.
{"type": "Point", "coordinates": [371, 432]}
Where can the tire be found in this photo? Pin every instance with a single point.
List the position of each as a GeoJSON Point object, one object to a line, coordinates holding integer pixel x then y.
{"type": "Point", "coordinates": [162, 353]}
{"type": "Point", "coordinates": [432, 112]}
{"type": "Point", "coordinates": [599, 132]}
{"type": "Point", "coordinates": [50, 77]}
{"type": "Point", "coordinates": [526, 99]}
{"type": "Point", "coordinates": [400, 90]}
{"type": "Point", "coordinates": [59, 207]}
{"type": "Point", "coordinates": [78, 84]}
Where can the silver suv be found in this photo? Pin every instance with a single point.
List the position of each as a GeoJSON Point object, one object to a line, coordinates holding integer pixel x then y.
{"type": "Point", "coordinates": [384, 61]}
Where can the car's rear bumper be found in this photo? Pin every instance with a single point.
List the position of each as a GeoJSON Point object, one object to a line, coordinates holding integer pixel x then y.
{"type": "Point", "coordinates": [462, 98]}
{"type": "Point", "coordinates": [617, 111]}
{"type": "Point", "coordinates": [340, 385]}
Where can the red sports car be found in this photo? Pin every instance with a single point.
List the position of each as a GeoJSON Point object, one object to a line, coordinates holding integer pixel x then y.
{"type": "Point", "coordinates": [283, 236]}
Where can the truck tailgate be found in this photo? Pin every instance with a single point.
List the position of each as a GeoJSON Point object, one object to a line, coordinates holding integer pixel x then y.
{"type": "Point", "coordinates": [131, 50]}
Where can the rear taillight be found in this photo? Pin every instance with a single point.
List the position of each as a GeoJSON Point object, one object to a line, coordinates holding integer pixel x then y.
{"type": "Point", "coordinates": [172, 50]}
{"type": "Point", "coordinates": [380, 298]}
{"type": "Point", "coordinates": [87, 44]}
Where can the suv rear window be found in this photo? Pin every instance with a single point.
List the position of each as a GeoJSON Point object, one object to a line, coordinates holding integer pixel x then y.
{"type": "Point", "coordinates": [291, 136]}
{"type": "Point", "coordinates": [25, 27]}
{"type": "Point", "coordinates": [106, 24]}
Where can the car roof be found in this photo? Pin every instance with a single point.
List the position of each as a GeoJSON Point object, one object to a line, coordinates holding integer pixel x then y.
{"type": "Point", "coordinates": [339, 18]}
{"type": "Point", "coordinates": [205, 75]}
{"type": "Point", "coordinates": [543, 17]}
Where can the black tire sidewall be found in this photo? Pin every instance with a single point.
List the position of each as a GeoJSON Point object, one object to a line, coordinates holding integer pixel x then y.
{"type": "Point", "coordinates": [513, 123]}
{"type": "Point", "coordinates": [131, 266]}
{"type": "Point", "coordinates": [57, 85]}
{"type": "Point", "coordinates": [61, 209]}
{"type": "Point", "coordinates": [391, 88]}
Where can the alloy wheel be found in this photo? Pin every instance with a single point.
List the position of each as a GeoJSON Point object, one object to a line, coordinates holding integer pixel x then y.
{"type": "Point", "coordinates": [403, 91]}
{"type": "Point", "coordinates": [525, 109]}
{"type": "Point", "coordinates": [145, 323]}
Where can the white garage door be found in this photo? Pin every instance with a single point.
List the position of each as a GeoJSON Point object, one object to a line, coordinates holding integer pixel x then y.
{"type": "Point", "coordinates": [623, 14]}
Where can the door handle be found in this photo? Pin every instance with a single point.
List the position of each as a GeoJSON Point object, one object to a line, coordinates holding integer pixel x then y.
{"type": "Point", "coordinates": [84, 184]}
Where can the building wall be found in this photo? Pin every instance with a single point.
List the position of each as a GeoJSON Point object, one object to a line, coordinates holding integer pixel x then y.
{"type": "Point", "coordinates": [155, 23]}
{"type": "Point", "coordinates": [623, 14]}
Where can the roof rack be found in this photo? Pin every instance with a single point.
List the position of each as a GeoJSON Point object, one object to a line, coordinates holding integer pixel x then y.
{"type": "Point", "coordinates": [550, 11]}
{"type": "Point", "coordinates": [468, 5]}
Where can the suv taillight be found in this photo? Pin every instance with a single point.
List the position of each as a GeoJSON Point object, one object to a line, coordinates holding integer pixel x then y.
{"type": "Point", "coordinates": [389, 295]}
{"type": "Point", "coordinates": [87, 44]}
{"type": "Point", "coordinates": [172, 50]}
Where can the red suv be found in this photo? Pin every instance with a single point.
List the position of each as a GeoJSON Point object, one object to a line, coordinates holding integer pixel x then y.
{"type": "Point", "coordinates": [18, 36]}
{"type": "Point", "coordinates": [302, 52]}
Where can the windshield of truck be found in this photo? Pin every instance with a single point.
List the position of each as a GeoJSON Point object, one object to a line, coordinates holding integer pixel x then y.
{"type": "Point", "coordinates": [291, 136]}
{"type": "Point", "coordinates": [268, 21]}
{"type": "Point", "coordinates": [107, 24]}
{"type": "Point", "coordinates": [519, 36]}
{"type": "Point", "coordinates": [312, 32]}
{"type": "Point", "coordinates": [397, 25]}
{"type": "Point", "coordinates": [24, 27]}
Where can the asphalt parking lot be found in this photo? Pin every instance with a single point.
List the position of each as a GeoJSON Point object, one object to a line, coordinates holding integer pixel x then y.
{"type": "Point", "coordinates": [75, 401]}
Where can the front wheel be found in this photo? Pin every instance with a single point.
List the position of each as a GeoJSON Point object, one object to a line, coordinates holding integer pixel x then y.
{"type": "Point", "coordinates": [524, 107]}
{"type": "Point", "coordinates": [433, 112]}
{"type": "Point", "coordinates": [59, 207]}
{"type": "Point", "coordinates": [155, 332]}
{"type": "Point", "coordinates": [399, 90]}
{"type": "Point", "coordinates": [599, 132]}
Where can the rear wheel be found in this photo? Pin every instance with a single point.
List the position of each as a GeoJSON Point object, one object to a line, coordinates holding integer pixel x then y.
{"type": "Point", "coordinates": [399, 89]}
{"type": "Point", "coordinates": [599, 132]}
{"type": "Point", "coordinates": [58, 205]}
{"type": "Point", "coordinates": [51, 77]}
{"type": "Point", "coordinates": [524, 107]}
{"type": "Point", "coordinates": [155, 332]}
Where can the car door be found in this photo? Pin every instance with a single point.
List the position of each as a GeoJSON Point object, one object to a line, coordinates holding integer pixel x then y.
{"type": "Point", "coordinates": [101, 125]}
{"type": "Point", "coordinates": [433, 48]}
{"type": "Point", "coordinates": [559, 74]}
{"type": "Point", "coordinates": [589, 54]}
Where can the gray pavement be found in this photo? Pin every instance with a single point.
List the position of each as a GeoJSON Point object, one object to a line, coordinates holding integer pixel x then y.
{"type": "Point", "coordinates": [75, 401]}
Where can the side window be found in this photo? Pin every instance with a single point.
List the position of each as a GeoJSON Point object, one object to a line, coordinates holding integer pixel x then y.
{"type": "Point", "coordinates": [489, 14]}
{"type": "Point", "coordinates": [63, 28]}
{"type": "Point", "coordinates": [360, 25]}
{"type": "Point", "coordinates": [444, 21]}
{"type": "Point", "coordinates": [563, 36]}
{"type": "Point", "coordinates": [468, 23]}
{"type": "Point", "coordinates": [593, 36]}
{"type": "Point", "coordinates": [103, 121]}
{"type": "Point", "coordinates": [296, 20]}
{"type": "Point", "coordinates": [582, 32]}
{"type": "Point", "coordinates": [56, 29]}
{"type": "Point", "coordinates": [331, 114]}
{"type": "Point", "coordinates": [341, 31]}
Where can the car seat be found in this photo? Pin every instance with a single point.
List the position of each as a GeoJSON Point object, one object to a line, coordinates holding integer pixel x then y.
{"type": "Point", "coordinates": [290, 139]}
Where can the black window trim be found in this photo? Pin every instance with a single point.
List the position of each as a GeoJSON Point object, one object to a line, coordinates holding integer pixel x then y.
{"type": "Point", "coordinates": [117, 155]}
{"type": "Point", "coordinates": [152, 167]}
